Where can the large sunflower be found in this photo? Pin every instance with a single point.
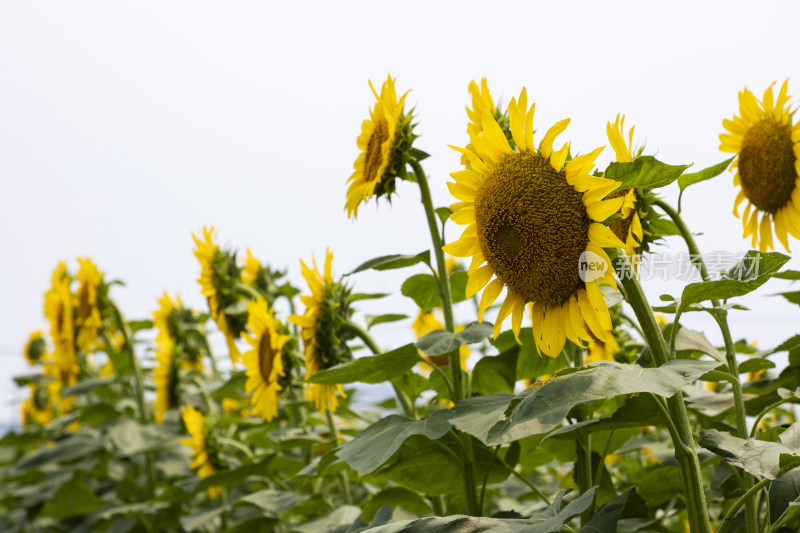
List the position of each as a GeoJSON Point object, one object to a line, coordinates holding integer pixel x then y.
{"type": "Point", "coordinates": [58, 309]}
{"type": "Point", "coordinates": [530, 216]}
{"type": "Point", "coordinates": [628, 227]}
{"type": "Point", "coordinates": [327, 309]}
{"type": "Point", "coordinates": [208, 253]}
{"type": "Point", "coordinates": [88, 320]}
{"type": "Point", "coordinates": [264, 362]}
{"type": "Point", "coordinates": [203, 455]}
{"type": "Point", "coordinates": [767, 148]}
{"type": "Point", "coordinates": [379, 137]}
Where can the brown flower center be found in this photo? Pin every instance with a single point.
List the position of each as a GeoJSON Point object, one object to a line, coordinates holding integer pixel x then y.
{"type": "Point", "coordinates": [532, 228]}
{"type": "Point", "coordinates": [766, 165]}
{"type": "Point", "coordinates": [374, 153]}
{"type": "Point", "coordinates": [266, 357]}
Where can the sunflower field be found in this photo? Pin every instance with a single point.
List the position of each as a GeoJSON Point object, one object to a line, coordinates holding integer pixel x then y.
{"type": "Point", "coordinates": [571, 404]}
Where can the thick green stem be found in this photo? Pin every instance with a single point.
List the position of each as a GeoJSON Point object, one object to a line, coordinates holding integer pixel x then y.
{"type": "Point", "coordinates": [344, 483]}
{"type": "Point", "coordinates": [454, 356]}
{"type": "Point", "coordinates": [583, 450]}
{"type": "Point", "coordinates": [694, 493]}
{"type": "Point", "coordinates": [730, 353]}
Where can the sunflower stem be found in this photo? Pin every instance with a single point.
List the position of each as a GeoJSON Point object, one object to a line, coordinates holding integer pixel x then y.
{"type": "Point", "coordinates": [744, 498]}
{"type": "Point", "coordinates": [468, 466]}
{"type": "Point", "coordinates": [721, 317]}
{"type": "Point", "coordinates": [344, 483]}
{"type": "Point", "coordinates": [691, 475]}
{"type": "Point", "coordinates": [361, 333]}
{"type": "Point", "coordinates": [583, 448]}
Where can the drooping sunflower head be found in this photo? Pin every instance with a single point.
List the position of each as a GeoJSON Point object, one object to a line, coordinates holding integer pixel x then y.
{"type": "Point", "coordinates": [202, 442]}
{"type": "Point", "coordinates": [767, 165]}
{"type": "Point", "coordinates": [327, 311]}
{"type": "Point", "coordinates": [179, 330]}
{"type": "Point", "coordinates": [166, 377]}
{"type": "Point", "coordinates": [384, 144]}
{"type": "Point", "coordinates": [58, 309]}
{"type": "Point", "coordinates": [37, 409]}
{"type": "Point", "coordinates": [533, 217]}
{"type": "Point", "coordinates": [263, 278]}
{"type": "Point", "coordinates": [35, 348]}
{"type": "Point", "coordinates": [427, 322]}
{"type": "Point", "coordinates": [482, 102]}
{"type": "Point", "coordinates": [91, 292]}
{"type": "Point", "coordinates": [264, 361]}
{"type": "Point", "coordinates": [219, 275]}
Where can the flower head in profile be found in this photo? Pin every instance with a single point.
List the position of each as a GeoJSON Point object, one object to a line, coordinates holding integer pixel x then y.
{"type": "Point", "coordinates": [59, 311]}
{"type": "Point", "coordinates": [204, 455]}
{"type": "Point", "coordinates": [35, 348]}
{"type": "Point", "coordinates": [265, 359]}
{"type": "Point", "coordinates": [482, 102]}
{"type": "Point", "coordinates": [219, 275]}
{"type": "Point", "coordinates": [767, 165]}
{"type": "Point", "coordinates": [91, 291]}
{"type": "Point", "coordinates": [628, 227]}
{"type": "Point", "coordinates": [37, 409]}
{"type": "Point", "coordinates": [384, 144]}
{"type": "Point", "coordinates": [533, 216]}
{"type": "Point", "coordinates": [166, 374]}
{"type": "Point", "coordinates": [327, 311]}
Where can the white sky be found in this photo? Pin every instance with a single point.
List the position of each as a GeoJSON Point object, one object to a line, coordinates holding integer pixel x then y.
{"type": "Point", "coordinates": [124, 126]}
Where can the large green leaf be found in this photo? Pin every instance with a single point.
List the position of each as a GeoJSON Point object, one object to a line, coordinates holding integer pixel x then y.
{"type": "Point", "coordinates": [548, 521]}
{"type": "Point", "coordinates": [478, 414]}
{"type": "Point", "coordinates": [389, 262]}
{"type": "Point", "coordinates": [687, 339]}
{"type": "Point", "coordinates": [442, 342]}
{"type": "Point", "coordinates": [375, 445]}
{"type": "Point", "coordinates": [73, 498]}
{"type": "Point", "coordinates": [424, 289]}
{"type": "Point", "coordinates": [627, 505]}
{"type": "Point", "coordinates": [395, 497]}
{"type": "Point", "coordinates": [760, 458]}
{"type": "Point", "coordinates": [275, 501]}
{"type": "Point", "coordinates": [750, 273]}
{"type": "Point", "coordinates": [706, 174]}
{"type": "Point", "coordinates": [495, 374]}
{"type": "Point", "coordinates": [371, 369]}
{"type": "Point", "coordinates": [645, 172]}
{"type": "Point", "coordinates": [792, 297]}
{"type": "Point", "coordinates": [638, 411]}
{"type": "Point", "coordinates": [541, 408]}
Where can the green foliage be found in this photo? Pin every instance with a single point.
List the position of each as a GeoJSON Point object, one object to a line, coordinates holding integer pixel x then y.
{"type": "Point", "coordinates": [645, 172]}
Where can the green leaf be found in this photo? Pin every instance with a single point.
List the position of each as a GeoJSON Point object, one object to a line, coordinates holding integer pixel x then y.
{"type": "Point", "coordinates": [32, 379]}
{"type": "Point", "coordinates": [751, 272]}
{"type": "Point", "coordinates": [458, 286]}
{"type": "Point", "coordinates": [366, 296]}
{"type": "Point", "coordinates": [423, 289]}
{"type": "Point", "coordinates": [627, 505]}
{"type": "Point", "coordinates": [138, 325]}
{"type": "Point", "coordinates": [373, 320]}
{"type": "Point", "coordinates": [196, 521]}
{"type": "Point", "coordinates": [792, 297]}
{"type": "Point", "coordinates": [442, 342]}
{"type": "Point", "coordinates": [783, 491]}
{"type": "Point", "coordinates": [341, 516]}
{"type": "Point", "coordinates": [275, 501]}
{"type": "Point", "coordinates": [540, 409]}
{"type": "Point", "coordinates": [645, 172]}
{"type": "Point", "coordinates": [638, 411]}
{"type": "Point", "coordinates": [390, 262]}
{"type": "Point", "coordinates": [705, 174]}
{"type": "Point", "coordinates": [371, 369]}
{"type": "Point", "coordinates": [443, 213]}
{"type": "Point", "coordinates": [663, 227]}
{"type": "Point", "coordinates": [793, 275]}
{"type": "Point", "coordinates": [760, 458]}
{"type": "Point", "coordinates": [478, 414]}
{"type": "Point", "coordinates": [755, 364]}
{"type": "Point", "coordinates": [85, 386]}
{"type": "Point", "coordinates": [73, 498]}
{"type": "Point", "coordinates": [687, 339]}
{"type": "Point", "coordinates": [375, 445]}
{"type": "Point", "coordinates": [395, 497]}
{"type": "Point", "coordinates": [495, 374]}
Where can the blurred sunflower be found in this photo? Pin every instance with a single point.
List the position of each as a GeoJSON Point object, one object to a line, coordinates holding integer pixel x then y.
{"type": "Point", "coordinates": [385, 136]}
{"type": "Point", "coordinates": [35, 348]}
{"type": "Point", "coordinates": [628, 227]}
{"type": "Point", "coordinates": [264, 362]}
{"type": "Point", "coordinates": [37, 409]}
{"type": "Point", "coordinates": [251, 269]}
{"type": "Point", "coordinates": [767, 148]}
{"type": "Point", "coordinates": [204, 457]}
{"type": "Point", "coordinates": [428, 322]}
{"type": "Point", "coordinates": [166, 372]}
{"type": "Point", "coordinates": [58, 310]}
{"type": "Point", "coordinates": [218, 269]}
{"type": "Point", "coordinates": [88, 321]}
{"type": "Point", "coordinates": [327, 310]}
{"type": "Point", "coordinates": [531, 215]}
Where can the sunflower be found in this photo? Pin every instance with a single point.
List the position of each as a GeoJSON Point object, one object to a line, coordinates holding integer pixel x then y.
{"type": "Point", "coordinates": [203, 455]}
{"type": "Point", "coordinates": [428, 322]}
{"type": "Point", "coordinates": [35, 348]}
{"type": "Point", "coordinates": [264, 362]}
{"type": "Point", "coordinates": [251, 269]}
{"type": "Point", "coordinates": [166, 372]}
{"type": "Point", "coordinates": [482, 102]}
{"type": "Point", "coordinates": [628, 227]}
{"type": "Point", "coordinates": [58, 310]}
{"type": "Point", "coordinates": [327, 310]}
{"type": "Point", "coordinates": [601, 350]}
{"type": "Point", "coordinates": [210, 255]}
{"type": "Point", "coordinates": [767, 148]}
{"type": "Point", "coordinates": [381, 135]}
{"type": "Point", "coordinates": [37, 409]}
{"type": "Point", "coordinates": [531, 215]}
{"type": "Point", "coordinates": [89, 322]}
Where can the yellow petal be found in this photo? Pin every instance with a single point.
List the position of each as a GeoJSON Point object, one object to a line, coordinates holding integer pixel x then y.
{"type": "Point", "coordinates": [468, 177]}
{"type": "Point", "coordinates": [461, 191]}
{"type": "Point", "coordinates": [589, 316]}
{"type": "Point", "coordinates": [462, 247]}
{"type": "Point", "coordinates": [505, 309]}
{"type": "Point", "coordinates": [490, 294]}
{"type": "Point", "coordinates": [529, 129]}
{"type": "Point", "coordinates": [558, 158]}
{"type": "Point", "coordinates": [600, 211]}
{"type": "Point", "coordinates": [516, 318]}
{"type": "Point", "coordinates": [547, 143]}
{"type": "Point", "coordinates": [604, 237]}
{"type": "Point", "coordinates": [478, 280]}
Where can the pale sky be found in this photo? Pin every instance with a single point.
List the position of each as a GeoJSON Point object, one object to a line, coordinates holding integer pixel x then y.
{"type": "Point", "coordinates": [125, 126]}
